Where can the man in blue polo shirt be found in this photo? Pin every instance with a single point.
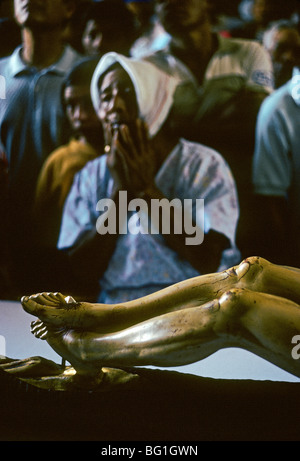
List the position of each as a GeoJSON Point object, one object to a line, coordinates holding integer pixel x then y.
{"type": "Point", "coordinates": [276, 172]}
{"type": "Point", "coordinates": [32, 123]}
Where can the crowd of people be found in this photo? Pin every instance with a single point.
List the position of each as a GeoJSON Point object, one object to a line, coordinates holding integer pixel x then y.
{"type": "Point", "coordinates": [110, 106]}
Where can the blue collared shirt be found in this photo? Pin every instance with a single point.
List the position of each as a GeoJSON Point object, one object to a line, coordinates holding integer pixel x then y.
{"type": "Point", "coordinates": [276, 161]}
{"type": "Point", "coordinates": [31, 117]}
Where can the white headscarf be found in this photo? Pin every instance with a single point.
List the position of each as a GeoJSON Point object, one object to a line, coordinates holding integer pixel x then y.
{"type": "Point", "coordinates": [154, 88]}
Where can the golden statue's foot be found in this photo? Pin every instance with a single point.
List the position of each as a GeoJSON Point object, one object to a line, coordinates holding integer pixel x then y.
{"type": "Point", "coordinates": [56, 309]}
{"type": "Point", "coordinates": [59, 340]}
{"type": "Point", "coordinates": [39, 329]}
{"type": "Point", "coordinates": [37, 303]}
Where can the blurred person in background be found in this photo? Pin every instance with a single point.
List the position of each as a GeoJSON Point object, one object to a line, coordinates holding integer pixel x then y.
{"type": "Point", "coordinates": [282, 40]}
{"type": "Point", "coordinates": [276, 173]}
{"type": "Point", "coordinates": [75, 27]}
{"type": "Point", "coordinates": [108, 26]}
{"type": "Point", "coordinates": [86, 143]}
{"type": "Point", "coordinates": [263, 13]}
{"type": "Point", "coordinates": [229, 75]}
{"type": "Point", "coordinates": [151, 34]}
{"type": "Point", "coordinates": [32, 122]}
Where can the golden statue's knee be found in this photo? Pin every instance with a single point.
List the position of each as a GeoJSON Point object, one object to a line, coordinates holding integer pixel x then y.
{"type": "Point", "coordinates": [251, 270]}
{"type": "Point", "coordinates": [231, 308]}
{"type": "Point", "coordinates": [234, 302]}
{"type": "Point", "coordinates": [257, 260]}
{"type": "Point", "coordinates": [232, 296]}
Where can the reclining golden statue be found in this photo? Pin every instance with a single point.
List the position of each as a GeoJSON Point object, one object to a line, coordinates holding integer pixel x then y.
{"type": "Point", "coordinates": [254, 305]}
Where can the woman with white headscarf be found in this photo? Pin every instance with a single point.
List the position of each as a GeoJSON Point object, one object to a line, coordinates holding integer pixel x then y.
{"type": "Point", "coordinates": [109, 229]}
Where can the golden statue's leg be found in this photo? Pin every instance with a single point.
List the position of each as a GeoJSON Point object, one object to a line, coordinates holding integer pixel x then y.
{"type": "Point", "coordinates": [52, 308]}
{"type": "Point", "coordinates": [254, 273]}
{"type": "Point", "coordinates": [171, 339]}
{"type": "Point", "coordinates": [258, 274]}
{"type": "Point", "coordinates": [261, 323]}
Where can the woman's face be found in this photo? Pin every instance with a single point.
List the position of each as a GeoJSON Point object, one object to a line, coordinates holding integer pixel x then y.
{"type": "Point", "coordinates": [118, 102]}
{"type": "Point", "coordinates": [98, 39]}
{"type": "Point", "coordinates": [92, 39]}
{"type": "Point", "coordinates": [79, 108]}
